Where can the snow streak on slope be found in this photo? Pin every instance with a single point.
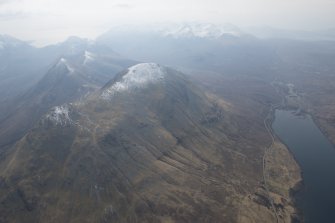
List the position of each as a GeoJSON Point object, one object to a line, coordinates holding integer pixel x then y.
{"type": "Point", "coordinates": [88, 57]}
{"type": "Point", "coordinates": [138, 76]}
{"type": "Point", "coordinates": [64, 62]}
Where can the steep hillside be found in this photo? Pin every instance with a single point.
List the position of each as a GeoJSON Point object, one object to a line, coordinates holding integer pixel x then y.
{"type": "Point", "coordinates": [147, 147]}
{"type": "Point", "coordinates": [69, 79]}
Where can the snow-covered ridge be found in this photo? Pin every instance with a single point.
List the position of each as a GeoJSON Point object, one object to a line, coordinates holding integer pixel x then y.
{"type": "Point", "coordinates": [138, 76]}
{"type": "Point", "coordinates": [203, 31]}
{"type": "Point", "coordinates": [59, 115]}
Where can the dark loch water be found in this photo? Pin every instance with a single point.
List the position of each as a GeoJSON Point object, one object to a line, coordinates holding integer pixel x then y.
{"type": "Point", "coordinates": [316, 157]}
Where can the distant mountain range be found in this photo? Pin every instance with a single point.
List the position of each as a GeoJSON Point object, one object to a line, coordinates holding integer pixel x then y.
{"type": "Point", "coordinates": [270, 33]}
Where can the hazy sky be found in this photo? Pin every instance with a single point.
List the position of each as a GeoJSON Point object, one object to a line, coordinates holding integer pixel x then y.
{"type": "Point", "coordinates": [49, 21]}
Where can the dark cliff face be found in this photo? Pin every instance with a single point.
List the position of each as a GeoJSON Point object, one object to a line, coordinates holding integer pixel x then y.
{"type": "Point", "coordinates": [148, 147]}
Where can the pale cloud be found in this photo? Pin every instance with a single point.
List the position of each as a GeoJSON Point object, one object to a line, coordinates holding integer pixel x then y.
{"type": "Point", "coordinates": [123, 6]}
{"type": "Point", "coordinates": [2, 2]}
{"type": "Point", "coordinates": [13, 16]}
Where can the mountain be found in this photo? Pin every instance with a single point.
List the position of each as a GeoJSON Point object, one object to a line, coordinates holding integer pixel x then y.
{"type": "Point", "coordinates": [149, 146]}
{"type": "Point", "coordinates": [81, 141]}
{"type": "Point", "coordinates": [203, 30]}
{"type": "Point", "coordinates": [20, 66]}
{"type": "Point", "coordinates": [194, 46]}
{"type": "Point", "coordinates": [70, 78]}
{"type": "Point", "coordinates": [7, 42]}
{"type": "Point", "coordinates": [302, 35]}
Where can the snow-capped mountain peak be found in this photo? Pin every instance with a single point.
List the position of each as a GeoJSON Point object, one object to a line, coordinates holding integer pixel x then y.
{"type": "Point", "coordinates": [202, 31]}
{"type": "Point", "coordinates": [138, 76]}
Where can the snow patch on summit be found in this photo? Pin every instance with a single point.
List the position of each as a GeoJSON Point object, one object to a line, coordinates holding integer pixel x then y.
{"type": "Point", "coordinates": [138, 76]}
{"type": "Point", "coordinates": [59, 115]}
